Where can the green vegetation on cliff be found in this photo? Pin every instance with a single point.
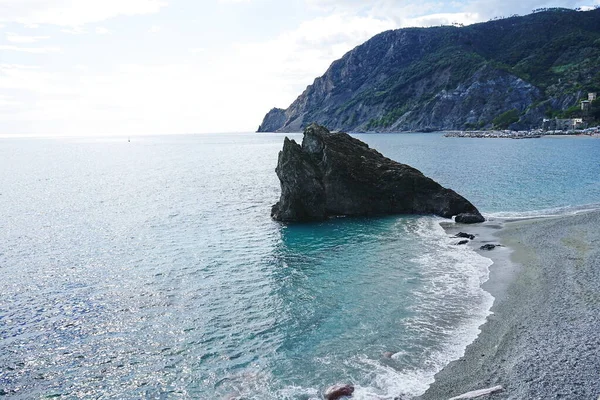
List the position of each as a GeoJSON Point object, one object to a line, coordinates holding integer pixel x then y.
{"type": "Point", "coordinates": [507, 72]}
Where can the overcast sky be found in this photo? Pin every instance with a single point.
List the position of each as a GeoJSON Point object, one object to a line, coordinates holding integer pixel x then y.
{"type": "Point", "coordinates": [92, 67]}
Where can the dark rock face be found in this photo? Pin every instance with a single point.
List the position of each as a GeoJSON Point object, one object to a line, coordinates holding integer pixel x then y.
{"type": "Point", "coordinates": [337, 391]}
{"type": "Point", "coordinates": [488, 247]}
{"type": "Point", "coordinates": [464, 235]}
{"type": "Point", "coordinates": [274, 120]}
{"type": "Point", "coordinates": [469, 218]}
{"type": "Point", "coordinates": [335, 174]}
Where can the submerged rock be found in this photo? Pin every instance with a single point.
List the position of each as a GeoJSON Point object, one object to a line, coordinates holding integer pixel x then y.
{"type": "Point", "coordinates": [334, 174]}
{"type": "Point", "coordinates": [464, 235]}
{"type": "Point", "coordinates": [488, 247]}
{"type": "Point", "coordinates": [337, 391]}
{"type": "Point", "coordinates": [462, 242]}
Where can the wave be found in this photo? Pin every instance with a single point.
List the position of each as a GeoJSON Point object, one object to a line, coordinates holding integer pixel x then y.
{"type": "Point", "coordinates": [544, 213]}
{"type": "Point", "coordinates": [449, 307]}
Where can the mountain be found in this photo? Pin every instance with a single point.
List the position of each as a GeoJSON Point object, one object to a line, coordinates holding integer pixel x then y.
{"type": "Point", "coordinates": [507, 72]}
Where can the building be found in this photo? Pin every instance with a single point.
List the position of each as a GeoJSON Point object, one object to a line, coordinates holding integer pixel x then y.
{"type": "Point", "coordinates": [566, 124]}
{"type": "Point", "coordinates": [586, 105]}
{"type": "Point", "coordinates": [591, 96]}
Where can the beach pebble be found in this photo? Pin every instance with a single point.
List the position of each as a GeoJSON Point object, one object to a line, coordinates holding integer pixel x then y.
{"type": "Point", "coordinates": [337, 391]}
{"type": "Point", "coordinates": [488, 247]}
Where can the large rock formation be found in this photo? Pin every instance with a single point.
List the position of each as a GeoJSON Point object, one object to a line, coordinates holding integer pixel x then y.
{"type": "Point", "coordinates": [335, 174]}
{"type": "Point", "coordinates": [446, 78]}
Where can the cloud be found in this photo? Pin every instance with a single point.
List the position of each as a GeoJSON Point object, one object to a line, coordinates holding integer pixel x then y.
{"type": "Point", "coordinates": [102, 31]}
{"type": "Point", "coordinates": [432, 13]}
{"type": "Point", "coordinates": [443, 19]}
{"type": "Point", "coordinates": [121, 100]}
{"type": "Point", "coordinates": [154, 29]}
{"type": "Point", "coordinates": [9, 102]}
{"type": "Point", "coordinates": [32, 50]}
{"type": "Point", "coordinates": [16, 38]}
{"type": "Point", "coordinates": [73, 13]}
{"type": "Point", "coordinates": [76, 30]}
{"type": "Point", "coordinates": [197, 50]}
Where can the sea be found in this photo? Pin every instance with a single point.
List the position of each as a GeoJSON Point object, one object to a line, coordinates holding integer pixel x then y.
{"type": "Point", "coordinates": [151, 269]}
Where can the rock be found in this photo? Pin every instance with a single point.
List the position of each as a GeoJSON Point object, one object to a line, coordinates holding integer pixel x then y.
{"type": "Point", "coordinates": [388, 354]}
{"type": "Point", "coordinates": [462, 242]}
{"type": "Point", "coordinates": [464, 235]}
{"type": "Point", "coordinates": [469, 218]}
{"type": "Point", "coordinates": [488, 247]}
{"type": "Point", "coordinates": [337, 391]}
{"type": "Point", "coordinates": [334, 174]}
{"type": "Point", "coordinates": [273, 120]}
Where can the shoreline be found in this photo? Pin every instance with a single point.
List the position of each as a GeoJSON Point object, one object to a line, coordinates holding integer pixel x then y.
{"type": "Point", "coordinates": [541, 339]}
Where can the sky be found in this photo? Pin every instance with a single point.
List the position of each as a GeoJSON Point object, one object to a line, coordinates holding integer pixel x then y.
{"type": "Point", "coordinates": [132, 67]}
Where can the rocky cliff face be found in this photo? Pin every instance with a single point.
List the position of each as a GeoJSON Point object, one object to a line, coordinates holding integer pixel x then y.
{"type": "Point", "coordinates": [454, 78]}
{"type": "Point", "coordinates": [335, 174]}
{"type": "Point", "coordinates": [273, 120]}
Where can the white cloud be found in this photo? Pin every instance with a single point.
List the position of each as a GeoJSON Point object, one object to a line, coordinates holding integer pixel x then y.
{"type": "Point", "coordinates": [197, 50]}
{"type": "Point", "coordinates": [154, 29]}
{"type": "Point", "coordinates": [7, 101]}
{"type": "Point", "coordinates": [76, 30]}
{"type": "Point", "coordinates": [102, 31]}
{"type": "Point", "coordinates": [298, 56]}
{"type": "Point", "coordinates": [73, 13]}
{"type": "Point", "coordinates": [443, 19]}
{"type": "Point", "coordinates": [16, 38]}
{"type": "Point", "coordinates": [32, 50]}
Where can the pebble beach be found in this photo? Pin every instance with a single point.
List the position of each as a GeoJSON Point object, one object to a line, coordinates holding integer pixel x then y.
{"type": "Point", "coordinates": [542, 340]}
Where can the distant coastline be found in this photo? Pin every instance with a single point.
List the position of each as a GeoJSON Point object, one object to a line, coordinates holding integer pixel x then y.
{"type": "Point", "coordinates": [530, 134]}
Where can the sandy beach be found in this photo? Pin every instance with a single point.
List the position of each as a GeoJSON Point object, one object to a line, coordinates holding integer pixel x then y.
{"type": "Point", "coordinates": [543, 339]}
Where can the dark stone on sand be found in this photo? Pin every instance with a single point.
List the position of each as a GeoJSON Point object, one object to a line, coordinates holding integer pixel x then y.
{"type": "Point", "coordinates": [469, 218]}
{"type": "Point", "coordinates": [338, 391]}
{"type": "Point", "coordinates": [334, 174]}
{"type": "Point", "coordinates": [464, 235]}
{"type": "Point", "coordinates": [488, 247]}
{"type": "Point", "coordinates": [462, 242]}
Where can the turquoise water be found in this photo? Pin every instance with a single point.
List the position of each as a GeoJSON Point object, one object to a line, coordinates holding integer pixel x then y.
{"type": "Point", "coordinates": [152, 269]}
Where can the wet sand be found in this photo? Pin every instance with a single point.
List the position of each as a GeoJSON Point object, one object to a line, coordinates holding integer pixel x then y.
{"type": "Point", "coordinates": [543, 339]}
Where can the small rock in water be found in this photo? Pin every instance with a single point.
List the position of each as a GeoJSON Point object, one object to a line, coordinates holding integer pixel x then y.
{"type": "Point", "coordinates": [337, 391]}
{"type": "Point", "coordinates": [462, 242]}
{"type": "Point", "coordinates": [464, 235]}
{"type": "Point", "coordinates": [466, 218]}
{"type": "Point", "coordinates": [388, 354]}
{"type": "Point", "coordinates": [488, 246]}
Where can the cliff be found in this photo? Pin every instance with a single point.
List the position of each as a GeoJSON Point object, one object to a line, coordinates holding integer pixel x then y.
{"type": "Point", "coordinates": [334, 174]}
{"type": "Point", "coordinates": [448, 77]}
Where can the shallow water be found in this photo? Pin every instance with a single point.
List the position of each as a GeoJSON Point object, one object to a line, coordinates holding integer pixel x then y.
{"type": "Point", "coordinates": [152, 268]}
